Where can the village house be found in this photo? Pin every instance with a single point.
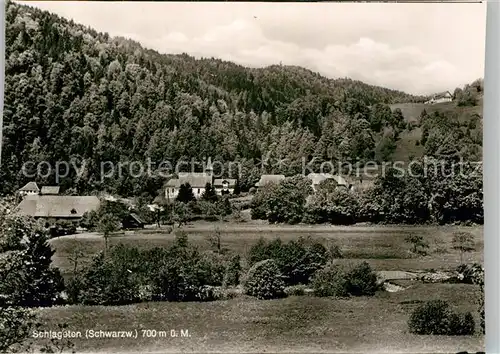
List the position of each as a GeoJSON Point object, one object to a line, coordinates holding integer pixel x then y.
{"type": "Point", "coordinates": [266, 179]}
{"type": "Point", "coordinates": [57, 207]}
{"type": "Point", "coordinates": [441, 97]}
{"type": "Point", "coordinates": [317, 178]}
{"type": "Point", "coordinates": [31, 188]}
{"type": "Point", "coordinates": [197, 181]}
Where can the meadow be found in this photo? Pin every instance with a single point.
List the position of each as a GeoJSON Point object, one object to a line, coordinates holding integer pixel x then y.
{"type": "Point", "coordinates": [294, 324]}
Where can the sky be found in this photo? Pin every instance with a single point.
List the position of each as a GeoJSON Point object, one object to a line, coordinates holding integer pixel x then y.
{"type": "Point", "coordinates": [417, 48]}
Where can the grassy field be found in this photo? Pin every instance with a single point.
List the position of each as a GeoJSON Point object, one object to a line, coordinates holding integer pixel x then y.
{"type": "Point", "coordinates": [383, 247]}
{"type": "Point", "coordinates": [294, 324]}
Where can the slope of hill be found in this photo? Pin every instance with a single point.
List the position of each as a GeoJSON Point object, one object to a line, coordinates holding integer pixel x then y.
{"type": "Point", "coordinates": [409, 143]}
{"type": "Point", "coordinates": [75, 95]}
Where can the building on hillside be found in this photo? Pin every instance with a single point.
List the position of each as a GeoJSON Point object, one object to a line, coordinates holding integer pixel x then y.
{"type": "Point", "coordinates": [31, 188]}
{"type": "Point", "coordinates": [197, 181]}
{"type": "Point", "coordinates": [266, 179]}
{"type": "Point", "coordinates": [317, 178]}
{"type": "Point", "coordinates": [50, 190]}
{"type": "Point", "coordinates": [445, 96]}
{"type": "Point", "coordinates": [57, 207]}
{"type": "Point", "coordinates": [224, 186]}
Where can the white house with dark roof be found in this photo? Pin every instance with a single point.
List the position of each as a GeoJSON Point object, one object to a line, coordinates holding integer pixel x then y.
{"type": "Point", "coordinates": [197, 181]}
{"type": "Point", "coordinates": [445, 96]}
{"type": "Point", "coordinates": [31, 188]}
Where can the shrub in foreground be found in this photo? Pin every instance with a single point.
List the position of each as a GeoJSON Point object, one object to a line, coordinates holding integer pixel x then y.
{"type": "Point", "coordinates": [436, 317]}
{"type": "Point", "coordinates": [338, 280]}
{"type": "Point", "coordinates": [264, 281]}
{"type": "Point", "coordinates": [361, 280]}
{"type": "Point", "coordinates": [104, 282]}
{"type": "Point", "coordinates": [297, 260]}
{"type": "Point", "coordinates": [330, 281]}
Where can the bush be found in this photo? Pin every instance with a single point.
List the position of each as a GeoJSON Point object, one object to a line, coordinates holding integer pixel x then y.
{"type": "Point", "coordinates": [213, 266]}
{"type": "Point", "coordinates": [432, 317]}
{"type": "Point", "coordinates": [436, 317]}
{"type": "Point", "coordinates": [264, 281]}
{"type": "Point", "coordinates": [330, 281]}
{"type": "Point", "coordinates": [185, 274]}
{"type": "Point", "coordinates": [15, 327]}
{"type": "Point", "coordinates": [462, 324]}
{"type": "Point", "coordinates": [61, 228]}
{"type": "Point", "coordinates": [233, 271]}
{"type": "Point", "coordinates": [361, 280]}
{"type": "Point", "coordinates": [297, 260]}
{"type": "Point", "coordinates": [283, 202]}
{"type": "Point", "coordinates": [334, 252]}
{"type": "Point", "coordinates": [419, 245]}
{"type": "Point", "coordinates": [338, 280]}
{"type": "Point", "coordinates": [332, 204]}
{"type": "Point", "coordinates": [106, 281]}
{"type": "Point", "coordinates": [27, 275]}
{"type": "Point", "coordinates": [89, 220]}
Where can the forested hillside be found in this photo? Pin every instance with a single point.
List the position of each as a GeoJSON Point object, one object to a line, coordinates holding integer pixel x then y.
{"type": "Point", "coordinates": [73, 94]}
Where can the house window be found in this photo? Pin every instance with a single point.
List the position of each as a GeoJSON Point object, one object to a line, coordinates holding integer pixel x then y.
{"type": "Point", "coordinates": [198, 190]}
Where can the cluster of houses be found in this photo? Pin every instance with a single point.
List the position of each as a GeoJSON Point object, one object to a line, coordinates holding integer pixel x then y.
{"type": "Point", "coordinates": [223, 186]}
{"type": "Point", "coordinates": [47, 203]}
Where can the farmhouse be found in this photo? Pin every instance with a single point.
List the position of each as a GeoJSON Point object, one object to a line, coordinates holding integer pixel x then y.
{"type": "Point", "coordinates": [57, 207]}
{"type": "Point", "coordinates": [265, 179]}
{"type": "Point", "coordinates": [317, 178]}
{"type": "Point", "coordinates": [441, 97]}
{"type": "Point", "coordinates": [31, 188]}
{"type": "Point", "coordinates": [197, 181]}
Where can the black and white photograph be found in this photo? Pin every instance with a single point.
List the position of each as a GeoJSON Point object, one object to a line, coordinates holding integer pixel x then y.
{"type": "Point", "coordinates": [242, 177]}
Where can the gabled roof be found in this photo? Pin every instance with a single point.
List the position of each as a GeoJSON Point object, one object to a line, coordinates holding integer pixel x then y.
{"type": "Point", "coordinates": [50, 190]}
{"type": "Point", "coordinates": [219, 182]}
{"type": "Point", "coordinates": [265, 179]}
{"type": "Point", "coordinates": [442, 94]}
{"type": "Point", "coordinates": [137, 218]}
{"type": "Point", "coordinates": [54, 206]}
{"type": "Point", "coordinates": [174, 182]}
{"type": "Point", "coordinates": [195, 180]}
{"type": "Point", "coordinates": [30, 187]}
{"type": "Point", "coordinates": [320, 177]}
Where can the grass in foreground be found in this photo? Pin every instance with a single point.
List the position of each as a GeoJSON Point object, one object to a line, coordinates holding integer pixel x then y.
{"type": "Point", "coordinates": [294, 324]}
